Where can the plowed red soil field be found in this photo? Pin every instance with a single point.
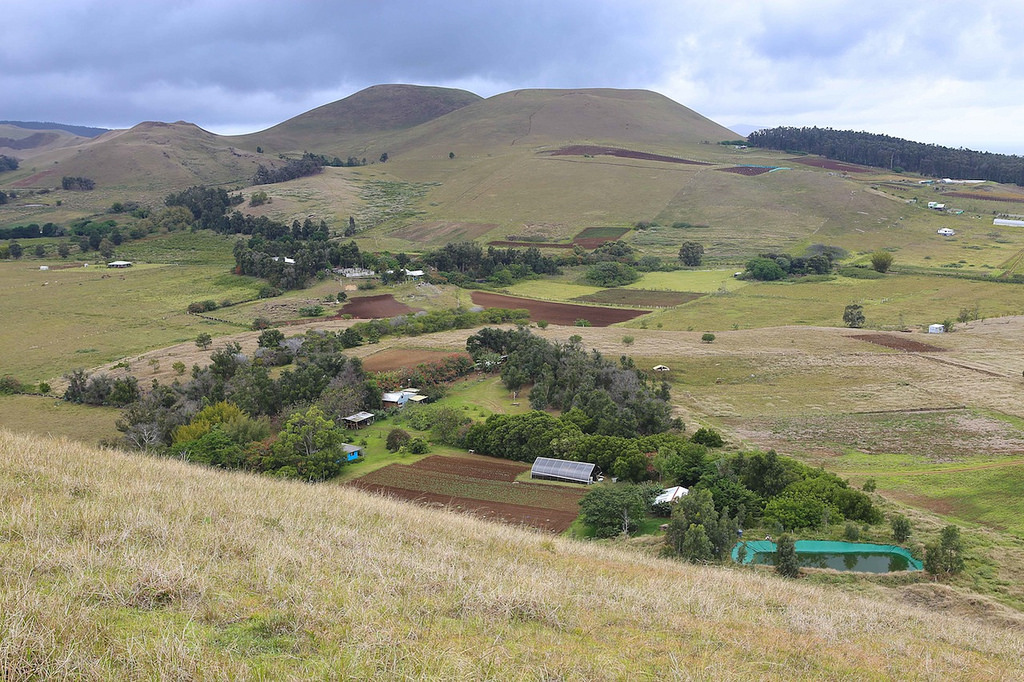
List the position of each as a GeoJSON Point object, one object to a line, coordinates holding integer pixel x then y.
{"type": "Point", "coordinates": [371, 307]}
{"type": "Point", "coordinates": [402, 358]}
{"type": "Point", "coordinates": [829, 164]}
{"type": "Point", "coordinates": [480, 486]}
{"type": "Point", "coordinates": [746, 170]}
{"type": "Point", "coordinates": [899, 343]}
{"type": "Point", "coordinates": [557, 313]}
{"type": "Point", "coordinates": [593, 150]}
{"type": "Point", "coordinates": [986, 197]}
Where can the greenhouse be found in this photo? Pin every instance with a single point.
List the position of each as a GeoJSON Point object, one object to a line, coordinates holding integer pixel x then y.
{"type": "Point", "coordinates": [563, 470]}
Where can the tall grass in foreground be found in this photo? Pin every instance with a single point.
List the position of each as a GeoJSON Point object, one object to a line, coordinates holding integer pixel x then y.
{"type": "Point", "coordinates": [122, 566]}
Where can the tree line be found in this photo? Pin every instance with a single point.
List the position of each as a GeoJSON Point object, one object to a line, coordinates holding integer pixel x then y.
{"type": "Point", "coordinates": [894, 153]}
{"type": "Point", "coordinates": [309, 164]}
{"type": "Point", "coordinates": [600, 396]}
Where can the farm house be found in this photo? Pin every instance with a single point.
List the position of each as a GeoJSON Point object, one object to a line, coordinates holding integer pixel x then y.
{"type": "Point", "coordinates": [563, 470]}
{"type": "Point", "coordinates": [398, 399]}
{"type": "Point", "coordinates": [936, 329]}
{"type": "Point", "coordinates": [119, 264]}
{"type": "Point", "coordinates": [352, 452]}
{"type": "Point", "coordinates": [945, 232]}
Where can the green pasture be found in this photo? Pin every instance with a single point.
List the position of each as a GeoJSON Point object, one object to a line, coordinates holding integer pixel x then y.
{"type": "Point", "coordinates": [701, 281]}
{"type": "Point", "coordinates": [550, 289]}
{"type": "Point", "coordinates": [59, 320]}
{"type": "Point", "coordinates": [893, 301]}
{"type": "Point", "coordinates": [984, 491]}
{"type": "Point", "coordinates": [48, 415]}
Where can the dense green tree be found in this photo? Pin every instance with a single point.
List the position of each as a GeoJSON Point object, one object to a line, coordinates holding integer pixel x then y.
{"type": "Point", "coordinates": [764, 269]}
{"type": "Point", "coordinates": [203, 340]}
{"type": "Point", "coordinates": [613, 509]}
{"type": "Point", "coordinates": [901, 528]}
{"type": "Point", "coordinates": [15, 250]}
{"type": "Point", "coordinates": [691, 253]}
{"type": "Point", "coordinates": [708, 437]}
{"type": "Point", "coordinates": [270, 338]}
{"type": "Point", "coordinates": [611, 274]}
{"type": "Point", "coordinates": [853, 316]}
{"type": "Point", "coordinates": [944, 557]}
{"type": "Point", "coordinates": [786, 563]}
{"type": "Point", "coordinates": [310, 446]}
{"type": "Point", "coordinates": [397, 438]}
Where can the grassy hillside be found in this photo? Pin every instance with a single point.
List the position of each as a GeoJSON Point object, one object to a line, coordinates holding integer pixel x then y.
{"type": "Point", "coordinates": [124, 566]}
{"type": "Point", "coordinates": [343, 127]}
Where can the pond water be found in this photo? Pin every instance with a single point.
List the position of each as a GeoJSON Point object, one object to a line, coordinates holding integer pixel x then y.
{"type": "Point", "coordinates": [856, 557]}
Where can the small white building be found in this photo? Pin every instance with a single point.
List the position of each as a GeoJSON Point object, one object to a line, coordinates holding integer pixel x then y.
{"type": "Point", "coordinates": [936, 205]}
{"type": "Point", "coordinates": [661, 368]}
{"type": "Point", "coordinates": [936, 329]}
{"type": "Point", "coordinates": [945, 232]}
{"type": "Point", "coordinates": [670, 495]}
{"type": "Point", "coordinates": [119, 264]}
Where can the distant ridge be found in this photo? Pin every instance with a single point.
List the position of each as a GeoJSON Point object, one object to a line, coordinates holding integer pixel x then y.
{"type": "Point", "coordinates": [82, 131]}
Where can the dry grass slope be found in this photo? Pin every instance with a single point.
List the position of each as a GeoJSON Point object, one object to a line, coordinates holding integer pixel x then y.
{"type": "Point", "coordinates": [121, 566]}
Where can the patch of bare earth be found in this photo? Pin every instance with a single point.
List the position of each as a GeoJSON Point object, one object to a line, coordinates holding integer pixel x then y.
{"type": "Point", "coordinates": [749, 171]}
{"type": "Point", "coordinates": [557, 313]}
{"type": "Point", "coordinates": [829, 164]}
{"type": "Point", "coordinates": [374, 307]}
{"type": "Point", "coordinates": [593, 150]}
{"type": "Point", "coordinates": [401, 359]}
{"type": "Point", "coordinates": [898, 343]}
{"type": "Point", "coordinates": [444, 231]}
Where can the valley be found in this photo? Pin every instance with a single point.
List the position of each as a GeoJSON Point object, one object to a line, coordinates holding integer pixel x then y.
{"type": "Point", "coordinates": [925, 426]}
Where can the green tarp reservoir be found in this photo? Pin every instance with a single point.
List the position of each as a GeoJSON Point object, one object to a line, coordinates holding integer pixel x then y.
{"type": "Point", "coordinates": [860, 557]}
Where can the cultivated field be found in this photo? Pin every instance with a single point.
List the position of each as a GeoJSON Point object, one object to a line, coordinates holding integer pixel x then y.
{"type": "Point", "coordinates": [482, 486]}
{"type": "Point", "coordinates": [557, 313]}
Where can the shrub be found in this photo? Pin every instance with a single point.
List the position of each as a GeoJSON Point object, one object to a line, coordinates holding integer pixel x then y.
{"type": "Point", "coordinates": [417, 446]}
{"type": "Point", "coordinates": [881, 261]}
{"type": "Point", "coordinates": [397, 438]}
{"type": "Point", "coordinates": [311, 310]}
{"type": "Point", "coordinates": [900, 528]}
{"type": "Point", "coordinates": [853, 316]}
{"type": "Point", "coordinates": [9, 385]}
{"type": "Point", "coordinates": [707, 337]}
{"type": "Point", "coordinates": [628, 340]}
{"type": "Point", "coordinates": [852, 531]}
{"type": "Point", "coordinates": [869, 486]}
{"type": "Point", "coordinates": [708, 437]}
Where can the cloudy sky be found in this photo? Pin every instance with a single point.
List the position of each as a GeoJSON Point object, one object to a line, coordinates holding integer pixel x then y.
{"type": "Point", "coordinates": [950, 73]}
